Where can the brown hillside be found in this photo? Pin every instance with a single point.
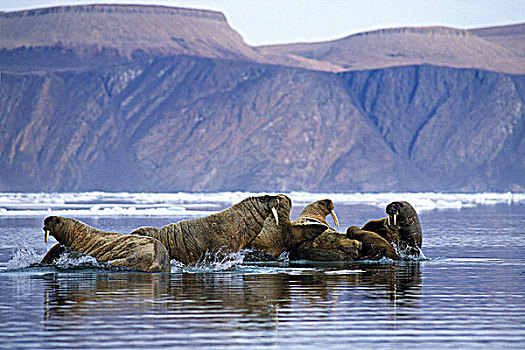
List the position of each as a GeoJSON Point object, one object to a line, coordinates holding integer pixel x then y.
{"type": "Point", "coordinates": [127, 29]}
{"type": "Point", "coordinates": [408, 46]}
{"type": "Point", "coordinates": [511, 37]}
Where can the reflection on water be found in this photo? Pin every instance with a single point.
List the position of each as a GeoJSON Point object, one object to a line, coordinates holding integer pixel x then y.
{"type": "Point", "coordinates": [192, 309]}
{"type": "Point", "coordinates": [258, 293]}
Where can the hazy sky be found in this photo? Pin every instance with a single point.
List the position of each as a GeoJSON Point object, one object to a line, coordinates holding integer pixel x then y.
{"type": "Point", "coordinates": [281, 21]}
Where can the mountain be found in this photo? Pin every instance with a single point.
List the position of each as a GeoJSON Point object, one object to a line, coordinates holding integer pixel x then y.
{"type": "Point", "coordinates": [151, 98]}
{"type": "Point", "coordinates": [439, 46]}
{"type": "Point", "coordinates": [510, 37]}
{"type": "Point", "coordinates": [125, 29]}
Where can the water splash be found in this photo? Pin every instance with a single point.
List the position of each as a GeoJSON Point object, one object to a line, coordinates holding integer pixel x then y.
{"type": "Point", "coordinates": [74, 260]}
{"type": "Point", "coordinates": [216, 261]}
{"type": "Point", "coordinates": [23, 257]}
{"type": "Point", "coordinates": [421, 254]}
{"type": "Point", "coordinates": [404, 256]}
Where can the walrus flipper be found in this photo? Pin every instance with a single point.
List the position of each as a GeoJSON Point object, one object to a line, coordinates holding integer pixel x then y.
{"type": "Point", "coordinates": [53, 254]}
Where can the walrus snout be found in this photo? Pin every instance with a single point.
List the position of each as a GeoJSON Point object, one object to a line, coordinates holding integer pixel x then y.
{"type": "Point", "coordinates": [330, 209]}
{"type": "Point", "coordinates": [280, 202]}
{"type": "Point", "coordinates": [393, 210]}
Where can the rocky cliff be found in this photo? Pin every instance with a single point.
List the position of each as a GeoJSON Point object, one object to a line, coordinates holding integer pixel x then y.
{"type": "Point", "coordinates": [215, 114]}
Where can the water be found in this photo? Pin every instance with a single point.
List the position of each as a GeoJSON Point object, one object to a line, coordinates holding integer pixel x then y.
{"type": "Point", "coordinates": [468, 293]}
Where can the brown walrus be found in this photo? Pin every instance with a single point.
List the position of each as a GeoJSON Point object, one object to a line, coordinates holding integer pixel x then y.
{"type": "Point", "coordinates": [135, 252]}
{"type": "Point", "coordinates": [275, 236]}
{"type": "Point", "coordinates": [228, 231]}
{"type": "Point", "coordinates": [275, 239]}
{"type": "Point", "coordinates": [374, 246]}
{"type": "Point", "coordinates": [401, 228]}
{"type": "Point", "coordinates": [329, 245]}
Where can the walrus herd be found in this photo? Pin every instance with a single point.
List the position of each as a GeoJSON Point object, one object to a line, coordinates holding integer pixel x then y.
{"type": "Point", "coordinates": [261, 225]}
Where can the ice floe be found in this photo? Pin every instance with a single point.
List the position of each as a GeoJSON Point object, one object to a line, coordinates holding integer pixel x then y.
{"type": "Point", "coordinates": [186, 204]}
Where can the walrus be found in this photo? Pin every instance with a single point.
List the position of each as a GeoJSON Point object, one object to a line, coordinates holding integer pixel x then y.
{"type": "Point", "coordinates": [131, 251]}
{"type": "Point", "coordinates": [233, 229]}
{"type": "Point", "coordinates": [275, 236]}
{"type": "Point", "coordinates": [374, 247]}
{"type": "Point", "coordinates": [329, 245]}
{"type": "Point", "coordinates": [401, 228]}
{"type": "Point", "coordinates": [275, 239]}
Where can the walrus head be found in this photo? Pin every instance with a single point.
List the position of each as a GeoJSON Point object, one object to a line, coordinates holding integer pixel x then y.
{"type": "Point", "coordinates": [63, 229]}
{"type": "Point", "coordinates": [402, 218]}
{"type": "Point", "coordinates": [54, 226]}
{"type": "Point", "coordinates": [319, 210]}
{"type": "Point", "coordinates": [284, 204]}
{"type": "Point", "coordinates": [273, 205]}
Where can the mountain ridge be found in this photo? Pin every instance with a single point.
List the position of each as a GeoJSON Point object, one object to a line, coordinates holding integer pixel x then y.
{"type": "Point", "coordinates": [442, 46]}
{"type": "Point", "coordinates": [125, 31]}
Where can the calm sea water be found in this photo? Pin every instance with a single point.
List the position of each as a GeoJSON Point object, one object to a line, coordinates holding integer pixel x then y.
{"type": "Point", "coordinates": [468, 293]}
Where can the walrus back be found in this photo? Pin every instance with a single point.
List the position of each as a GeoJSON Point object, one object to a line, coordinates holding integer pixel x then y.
{"type": "Point", "coordinates": [170, 236]}
{"type": "Point", "coordinates": [227, 231]}
{"type": "Point", "coordinates": [329, 246]}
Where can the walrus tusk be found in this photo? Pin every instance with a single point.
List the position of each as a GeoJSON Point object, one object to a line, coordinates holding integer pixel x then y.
{"type": "Point", "coordinates": [46, 235]}
{"type": "Point", "coordinates": [395, 223]}
{"type": "Point", "coordinates": [388, 220]}
{"type": "Point", "coordinates": [274, 211]}
{"type": "Point", "coordinates": [335, 218]}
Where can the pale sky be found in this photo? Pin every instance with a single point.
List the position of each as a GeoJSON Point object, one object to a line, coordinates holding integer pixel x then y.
{"type": "Point", "coordinates": [262, 22]}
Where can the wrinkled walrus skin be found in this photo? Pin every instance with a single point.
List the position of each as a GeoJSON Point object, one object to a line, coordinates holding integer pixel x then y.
{"type": "Point", "coordinates": [401, 228]}
{"type": "Point", "coordinates": [374, 246]}
{"type": "Point", "coordinates": [329, 245]}
{"type": "Point", "coordinates": [275, 237]}
{"type": "Point", "coordinates": [131, 251]}
{"type": "Point", "coordinates": [229, 231]}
